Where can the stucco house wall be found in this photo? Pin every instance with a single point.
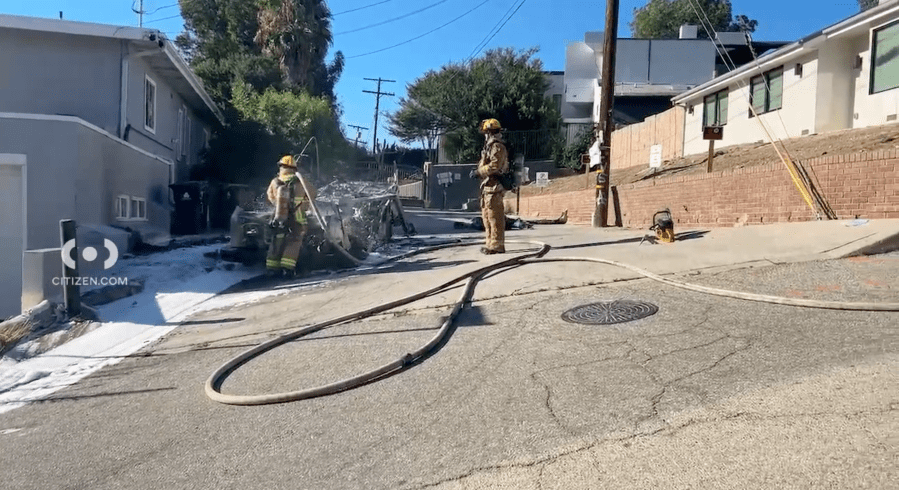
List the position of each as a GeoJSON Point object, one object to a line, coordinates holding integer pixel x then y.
{"type": "Point", "coordinates": [826, 87]}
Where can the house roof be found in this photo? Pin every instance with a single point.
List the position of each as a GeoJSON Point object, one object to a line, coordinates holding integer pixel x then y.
{"type": "Point", "coordinates": [648, 89]}
{"type": "Point", "coordinates": [165, 59]}
{"type": "Point", "coordinates": [853, 25]}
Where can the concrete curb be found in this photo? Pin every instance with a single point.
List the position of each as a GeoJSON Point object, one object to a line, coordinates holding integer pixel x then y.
{"type": "Point", "coordinates": [882, 246]}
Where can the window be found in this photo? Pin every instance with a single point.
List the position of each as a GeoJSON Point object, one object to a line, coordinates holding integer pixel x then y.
{"type": "Point", "coordinates": [138, 208]}
{"type": "Point", "coordinates": [183, 141]}
{"type": "Point", "coordinates": [885, 58]}
{"type": "Point", "coordinates": [766, 91]}
{"type": "Point", "coordinates": [179, 143]}
{"type": "Point", "coordinates": [122, 207]}
{"type": "Point", "coordinates": [130, 208]}
{"type": "Point", "coordinates": [150, 105]}
{"type": "Point", "coordinates": [715, 109]}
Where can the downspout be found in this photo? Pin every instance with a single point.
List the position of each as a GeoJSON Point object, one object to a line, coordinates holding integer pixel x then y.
{"type": "Point", "coordinates": [123, 101]}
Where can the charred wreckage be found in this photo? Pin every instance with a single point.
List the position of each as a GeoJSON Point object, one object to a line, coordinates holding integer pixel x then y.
{"type": "Point", "coordinates": [359, 217]}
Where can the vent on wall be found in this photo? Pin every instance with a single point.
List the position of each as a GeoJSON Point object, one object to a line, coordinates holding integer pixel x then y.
{"type": "Point", "coordinates": [797, 70]}
{"type": "Point", "coordinates": [804, 132]}
{"type": "Point", "coordinates": [891, 117]}
{"type": "Point", "coordinates": [858, 62]}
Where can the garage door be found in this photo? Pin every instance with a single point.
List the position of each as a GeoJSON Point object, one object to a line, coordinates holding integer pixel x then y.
{"type": "Point", "coordinates": [12, 209]}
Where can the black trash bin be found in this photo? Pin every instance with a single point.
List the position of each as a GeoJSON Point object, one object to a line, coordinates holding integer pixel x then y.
{"type": "Point", "coordinates": [226, 198]}
{"type": "Point", "coordinates": [191, 213]}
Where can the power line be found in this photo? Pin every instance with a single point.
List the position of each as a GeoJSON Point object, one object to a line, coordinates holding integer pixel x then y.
{"type": "Point", "coordinates": [360, 8]}
{"type": "Point", "coordinates": [161, 8]}
{"type": "Point", "coordinates": [393, 19]}
{"type": "Point", "coordinates": [164, 18]}
{"type": "Point", "coordinates": [480, 46]}
{"type": "Point", "coordinates": [490, 36]}
{"type": "Point", "coordinates": [423, 35]}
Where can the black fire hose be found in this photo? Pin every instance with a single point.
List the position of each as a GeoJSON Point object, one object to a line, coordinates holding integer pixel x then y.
{"type": "Point", "coordinates": [215, 380]}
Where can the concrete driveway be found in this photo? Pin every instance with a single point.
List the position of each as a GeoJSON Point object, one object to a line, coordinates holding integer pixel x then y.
{"type": "Point", "coordinates": [708, 392]}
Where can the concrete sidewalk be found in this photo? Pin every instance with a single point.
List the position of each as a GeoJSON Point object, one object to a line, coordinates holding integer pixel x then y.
{"type": "Point", "coordinates": [696, 252]}
{"type": "Point", "coordinates": [708, 392]}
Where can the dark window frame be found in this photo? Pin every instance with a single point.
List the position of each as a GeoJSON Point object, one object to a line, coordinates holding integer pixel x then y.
{"type": "Point", "coordinates": [765, 79]}
{"type": "Point", "coordinates": [719, 120]}
{"type": "Point", "coordinates": [150, 112]}
{"type": "Point", "coordinates": [874, 33]}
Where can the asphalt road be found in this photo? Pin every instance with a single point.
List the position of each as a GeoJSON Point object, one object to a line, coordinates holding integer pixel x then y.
{"type": "Point", "coordinates": [706, 393]}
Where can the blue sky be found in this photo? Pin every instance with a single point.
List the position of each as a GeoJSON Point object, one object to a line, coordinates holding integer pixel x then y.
{"type": "Point", "coordinates": [547, 24]}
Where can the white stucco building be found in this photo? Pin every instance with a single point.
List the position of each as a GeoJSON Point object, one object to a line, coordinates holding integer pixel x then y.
{"type": "Point", "coordinates": [96, 122]}
{"type": "Point", "coordinates": [648, 72]}
{"type": "Point", "coordinates": [841, 77]}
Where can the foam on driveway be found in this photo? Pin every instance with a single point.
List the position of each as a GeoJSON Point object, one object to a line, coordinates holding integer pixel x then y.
{"type": "Point", "coordinates": [177, 284]}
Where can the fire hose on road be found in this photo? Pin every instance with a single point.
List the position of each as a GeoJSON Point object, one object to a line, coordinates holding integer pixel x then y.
{"type": "Point", "coordinates": [215, 381]}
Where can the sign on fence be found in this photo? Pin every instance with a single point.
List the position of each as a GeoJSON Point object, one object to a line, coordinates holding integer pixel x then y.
{"type": "Point", "coordinates": [655, 156]}
{"type": "Point", "coordinates": [542, 179]}
{"type": "Point", "coordinates": [445, 178]}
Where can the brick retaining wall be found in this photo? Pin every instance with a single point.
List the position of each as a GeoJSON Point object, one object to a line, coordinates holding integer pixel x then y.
{"type": "Point", "coordinates": [864, 185]}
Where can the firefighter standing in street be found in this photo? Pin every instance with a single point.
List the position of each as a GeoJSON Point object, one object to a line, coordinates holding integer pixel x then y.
{"type": "Point", "coordinates": [494, 162]}
{"type": "Point", "coordinates": [289, 223]}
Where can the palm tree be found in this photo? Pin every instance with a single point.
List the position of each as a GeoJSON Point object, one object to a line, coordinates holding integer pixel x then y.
{"type": "Point", "coordinates": [297, 33]}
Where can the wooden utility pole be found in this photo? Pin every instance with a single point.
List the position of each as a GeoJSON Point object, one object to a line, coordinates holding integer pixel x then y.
{"type": "Point", "coordinates": [378, 95]}
{"type": "Point", "coordinates": [358, 132]}
{"type": "Point", "coordinates": [601, 212]}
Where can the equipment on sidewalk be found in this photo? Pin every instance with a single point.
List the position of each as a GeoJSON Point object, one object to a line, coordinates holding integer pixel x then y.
{"type": "Point", "coordinates": [663, 224]}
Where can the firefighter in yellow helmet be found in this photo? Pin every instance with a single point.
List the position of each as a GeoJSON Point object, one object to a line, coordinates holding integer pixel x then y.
{"type": "Point", "coordinates": [289, 223]}
{"type": "Point", "coordinates": [494, 162]}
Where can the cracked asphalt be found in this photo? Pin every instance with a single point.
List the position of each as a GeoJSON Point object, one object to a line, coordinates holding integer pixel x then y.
{"type": "Point", "coordinates": [708, 392]}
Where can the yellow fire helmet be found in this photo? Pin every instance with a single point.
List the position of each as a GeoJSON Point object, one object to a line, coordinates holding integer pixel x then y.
{"type": "Point", "coordinates": [287, 161]}
{"type": "Point", "coordinates": [490, 125]}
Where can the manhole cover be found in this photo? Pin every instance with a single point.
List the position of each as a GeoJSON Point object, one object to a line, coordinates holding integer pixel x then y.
{"type": "Point", "coordinates": [610, 312]}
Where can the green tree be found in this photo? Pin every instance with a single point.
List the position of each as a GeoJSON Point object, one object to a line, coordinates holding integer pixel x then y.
{"type": "Point", "coordinates": [661, 19]}
{"type": "Point", "coordinates": [867, 4]}
{"type": "Point", "coordinates": [297, 117]}
{"type": "Point", "coordinates": [297, 33]}
{"type": "Point", "coordinates": [263, 62]}
{"type": "Point", "coordinates": [415, 123]}
{"type": "Point", "coordinates": [503, 84]}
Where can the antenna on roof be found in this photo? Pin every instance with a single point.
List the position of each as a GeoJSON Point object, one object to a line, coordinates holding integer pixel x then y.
{"type": "Point", "coordinates": [60, 15]}
{"type": "Point", "coordinates": [140, 13]}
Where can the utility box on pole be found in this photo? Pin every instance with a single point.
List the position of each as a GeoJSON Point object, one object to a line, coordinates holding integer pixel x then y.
{"type": "Point", "coordinates": [712, 134]}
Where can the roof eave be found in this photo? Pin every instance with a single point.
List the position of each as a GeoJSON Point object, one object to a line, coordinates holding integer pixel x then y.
{"type": "Point", "coordinates": [806, 44]}
{"type": "Point", "coordinates": [139, 35]}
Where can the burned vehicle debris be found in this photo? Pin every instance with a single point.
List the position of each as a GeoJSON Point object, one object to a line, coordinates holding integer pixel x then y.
{"type": "Point", "coordinates": [359, 217]}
